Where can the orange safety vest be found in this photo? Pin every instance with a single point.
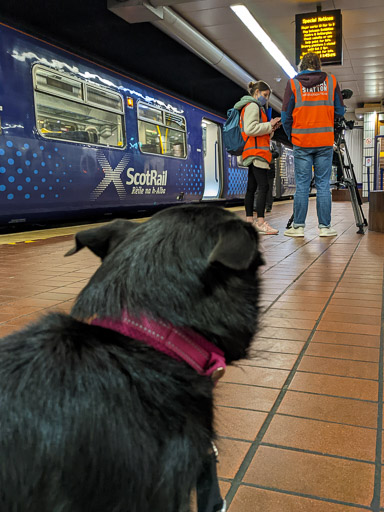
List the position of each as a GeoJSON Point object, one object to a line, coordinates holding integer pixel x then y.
{"type": "Point", "coordinates": [313, 115]}
{"type": "Point", "coordinates": [256, 146]}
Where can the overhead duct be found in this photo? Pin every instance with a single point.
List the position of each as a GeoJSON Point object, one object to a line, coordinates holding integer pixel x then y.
{"type": "Point", "coordinates": [164, 18]}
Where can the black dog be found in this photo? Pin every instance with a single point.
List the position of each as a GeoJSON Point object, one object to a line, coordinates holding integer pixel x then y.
{"type": "Point", "coordinates": [92, 420]}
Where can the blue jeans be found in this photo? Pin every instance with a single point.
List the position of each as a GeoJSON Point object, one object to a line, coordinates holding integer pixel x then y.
{"type": "Point", "coordinates": [321, 160]}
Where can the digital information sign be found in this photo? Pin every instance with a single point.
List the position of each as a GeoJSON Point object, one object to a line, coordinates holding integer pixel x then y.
{"type": "Point", "coordinates": [320, 32]}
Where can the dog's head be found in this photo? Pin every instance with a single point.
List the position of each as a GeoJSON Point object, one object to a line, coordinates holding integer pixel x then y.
{"type": "Point", "coordinates": [192, 266]}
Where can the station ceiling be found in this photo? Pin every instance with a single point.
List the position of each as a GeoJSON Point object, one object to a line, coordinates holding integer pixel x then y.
{"type": "Point", "coordinates": [362, 30]}
{"type": "Point", "coordinates": [143, 51]}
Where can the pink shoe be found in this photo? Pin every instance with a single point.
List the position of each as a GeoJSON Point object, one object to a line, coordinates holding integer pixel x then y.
{"type": "Point", "coordinates": [266, 229]}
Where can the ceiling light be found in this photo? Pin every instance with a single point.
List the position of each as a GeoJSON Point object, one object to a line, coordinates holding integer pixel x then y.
{"type": "Point", "coordinates": [249, 21]}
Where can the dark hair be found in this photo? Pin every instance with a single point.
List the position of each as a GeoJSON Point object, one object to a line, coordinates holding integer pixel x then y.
{"type": "Point", "coordinates": [260, 85]}
{"type": "Point", "coordinates": [310, 61]}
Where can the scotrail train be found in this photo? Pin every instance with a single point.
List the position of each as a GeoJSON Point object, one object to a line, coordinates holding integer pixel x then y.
{"type": "Point", "coordinates": [77, 138]}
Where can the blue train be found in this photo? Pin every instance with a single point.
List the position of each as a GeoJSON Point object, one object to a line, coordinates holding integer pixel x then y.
{"type": "Point", "coordinates": [77, 138]}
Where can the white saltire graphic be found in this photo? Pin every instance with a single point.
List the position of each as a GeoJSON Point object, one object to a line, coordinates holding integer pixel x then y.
{"type": "Point", "coordinates": [111, 176]}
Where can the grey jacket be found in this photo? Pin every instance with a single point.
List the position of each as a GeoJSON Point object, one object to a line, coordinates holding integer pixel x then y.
{"type": "Point", "coordinates": [253, 128]}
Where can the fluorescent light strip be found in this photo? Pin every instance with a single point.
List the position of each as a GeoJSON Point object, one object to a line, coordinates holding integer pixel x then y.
{"type": "Point", "coordinates": [249, 21]}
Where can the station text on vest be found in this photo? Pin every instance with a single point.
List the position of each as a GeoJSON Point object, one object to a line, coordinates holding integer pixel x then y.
{"type": "Point", "coordinates": [316, 89]}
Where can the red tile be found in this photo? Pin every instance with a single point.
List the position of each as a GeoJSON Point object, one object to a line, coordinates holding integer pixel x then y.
{"type": "Point", "coordinates": [362, 297]}
{"type": "Point", "coordinates": [294, 306]}
{"type": "Point", "coordinates": [348, 317]}
{"type": "Point", "coordinates": [231, 455]}
{"type": "Point", "coordinates": [298, 299]}
{"type": "Point", "coordinates": [314, 475]}
{"type": "Point", "coordinates": [238, 423]}
{"type": "Point", "coordinates": [329, 408]}
{"type": "Point", "coordinates": [289, 323]}
{"type": "Point", "coordinates": [344, 368]}
{"type": "Point", "coordinates": [224, 487]}
{"type": "Point", "coordinates": [245, 397]}
{"type": "Point", "coordinates": [13, 293]}
{"type": "Point", "coordinates": [366, 289]}
{"type": "Point", "coordinates": [309, 281]}
{"type": "Point", "coordinates": [6, 329]}
{"type": "Point", "coordinates": [343, 352]}
{"type": "Point", "coordinates": [271, 360]}
{"type": "Point", "coordinates": [283, 346]}
{"type": "Point", "coordinates": [320, 436]}
{"type": "Point", "coordinates": [7, 299]}
{"type": "Point", "coordinates": [255, 376]}
{"type": "Point", "coordinates": [292, 313]}
{"type": "Point", "coordinates": [355, 303]}
{"type": "Point", "coordinates": [250, 499]}
{"type": "Point", "coordinates": [349, 327]}
{"type": "Point", "coordinates": [335, 386]}
{"type": "Point", "coordinates": [283, 334]}
{"type": "Point", "coordinates": [342, 338]}
{"type": "Point", "coordinates": [309, 293]}
{"type": "Point", "coordinates": [33, 302]}
{"type": "Point", "coordinates": [354, 310]}
{"type": "Point", "coordinates": [313, 287]}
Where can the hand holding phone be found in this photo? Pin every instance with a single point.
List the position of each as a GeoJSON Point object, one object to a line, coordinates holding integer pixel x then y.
{"type": "Point", "coordinates": [275, 122]}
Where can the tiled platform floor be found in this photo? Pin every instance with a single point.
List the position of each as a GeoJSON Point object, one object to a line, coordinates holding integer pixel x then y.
{"type": "Point", "coordinates": [300, 423]}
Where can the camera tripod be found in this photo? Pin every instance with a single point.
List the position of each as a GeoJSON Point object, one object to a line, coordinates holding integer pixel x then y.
{"type": "Point", "coordinates": [348, 179]}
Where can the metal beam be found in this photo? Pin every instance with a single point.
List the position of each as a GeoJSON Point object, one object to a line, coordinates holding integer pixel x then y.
{"type": "Point", "coordinates": [165, 19]}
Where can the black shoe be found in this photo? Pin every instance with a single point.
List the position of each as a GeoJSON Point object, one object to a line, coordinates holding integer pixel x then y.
{"type": "Point", "coordinates": [268, 209]}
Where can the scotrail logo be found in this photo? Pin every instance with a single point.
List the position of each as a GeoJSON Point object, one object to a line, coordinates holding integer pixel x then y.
{"type": "Point", "coordinates": [112, 175]}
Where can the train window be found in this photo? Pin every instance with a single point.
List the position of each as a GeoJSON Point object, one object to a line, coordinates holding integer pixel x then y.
{"type": "Point", "coordinates": [104, 98]}
{"type": "Point", "coordinates": [46, 80]}
{"type": "Point", "coordinates": [91, 120]}
{"type": "Point", "coordinates": [150, 113]}
{"type": "Point", "coordinates": [174, 121]}
{"type": "Point", "coordinates": [161, 132]}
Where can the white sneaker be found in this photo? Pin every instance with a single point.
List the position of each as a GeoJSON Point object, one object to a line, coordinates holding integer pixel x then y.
{"type": "Point", "coordinates": [327, 232]}
{"type": "Point", "coordinates": [294, 231]}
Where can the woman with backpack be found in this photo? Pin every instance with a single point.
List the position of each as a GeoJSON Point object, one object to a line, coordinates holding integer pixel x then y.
{"type": "Point", "coordinates": [256, 131]}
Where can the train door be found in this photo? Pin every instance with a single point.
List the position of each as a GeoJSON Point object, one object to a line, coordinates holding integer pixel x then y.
{"type": "Point", "coordinates": [213, 162]}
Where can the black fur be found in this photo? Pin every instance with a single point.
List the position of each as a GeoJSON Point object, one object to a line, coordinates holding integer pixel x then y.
{"type": "Point", "coordinates": [92, 421]}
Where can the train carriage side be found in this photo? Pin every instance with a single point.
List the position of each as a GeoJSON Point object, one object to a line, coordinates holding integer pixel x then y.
{"type": "Point", "coordinates": [77, 138]}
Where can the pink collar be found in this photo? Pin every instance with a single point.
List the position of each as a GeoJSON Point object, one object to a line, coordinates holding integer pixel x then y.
{"type": "Point", "coordinates": [177, 342]}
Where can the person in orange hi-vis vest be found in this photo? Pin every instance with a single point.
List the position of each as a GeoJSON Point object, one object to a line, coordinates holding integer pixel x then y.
{"type": "Point", "coordinates": [311, 101]}
{"type": "Point", "coordinates": [256, 131]}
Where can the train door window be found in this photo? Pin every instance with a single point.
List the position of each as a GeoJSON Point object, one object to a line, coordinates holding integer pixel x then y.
{"type": "Point", "coordinates": [161, 132]}
{"type": "Point", "coordinates": [93, 116]}
{"type": "Point", "coordinates": [213, 162]}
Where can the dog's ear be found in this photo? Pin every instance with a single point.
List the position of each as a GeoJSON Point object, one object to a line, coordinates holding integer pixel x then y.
{"type": "Point", "coordinates": [104, 239]}
{"type": "Point", "coordinates": [236, 247]}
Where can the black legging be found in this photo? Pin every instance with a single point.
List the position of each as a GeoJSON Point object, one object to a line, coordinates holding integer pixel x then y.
{"type": "Point", "coordinates": [257, 179]}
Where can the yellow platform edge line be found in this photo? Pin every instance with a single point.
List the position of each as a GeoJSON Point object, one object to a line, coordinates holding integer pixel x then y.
{"type": "Point", "coordinates": [44, 234]}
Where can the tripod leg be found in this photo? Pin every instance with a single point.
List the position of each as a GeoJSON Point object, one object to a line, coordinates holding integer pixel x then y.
{"type": "Point", "coordinates": [311, 185]}
{"type": "Point", "coordinates": [356, 207]}
{"type": "Point", "coordinates": [349, 180]}
{"type": "Point", "coordinates": [289, 223]}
